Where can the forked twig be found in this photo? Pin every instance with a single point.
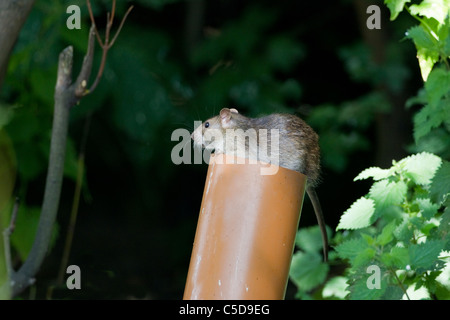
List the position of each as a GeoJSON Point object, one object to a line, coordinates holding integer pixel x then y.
{"type": "Point", "coordinates": [106, 45]}
{"type": "Point", "coordinates": [67, 94]}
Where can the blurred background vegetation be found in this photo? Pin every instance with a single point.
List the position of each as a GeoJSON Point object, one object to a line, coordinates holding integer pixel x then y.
{"type": "Point", "coordinates": [176, 62]}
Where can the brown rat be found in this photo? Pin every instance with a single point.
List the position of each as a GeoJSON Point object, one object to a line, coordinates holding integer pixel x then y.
{"type": "Point", "coordinates": [297, 148]}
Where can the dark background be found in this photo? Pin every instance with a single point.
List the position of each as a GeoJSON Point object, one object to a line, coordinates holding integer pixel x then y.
{"type": "Point", "coordinates": [180, 61]}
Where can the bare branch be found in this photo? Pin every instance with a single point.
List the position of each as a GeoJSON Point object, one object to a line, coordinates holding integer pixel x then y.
{"type": "Point", "coordinates": [64, 98]}
{"type": "Point", "coordinates": [106, 45]}
{"type": "Point", "coordinates": [120, 26]}
{"type": "Point", "coordinates": [91, 15]}
{"type": "Point", "coordinates": [66, 95]}
{"type": "Point", "coordinates": [12, 223]}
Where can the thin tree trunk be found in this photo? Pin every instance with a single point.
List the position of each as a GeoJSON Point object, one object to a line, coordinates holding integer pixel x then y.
{"type": "Point", "coordinates": [13, 14]}
{"type": "Point", "coordinates": [64, 98]}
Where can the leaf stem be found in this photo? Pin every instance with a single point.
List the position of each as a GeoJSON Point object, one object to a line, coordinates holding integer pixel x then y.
{"type": "Point", "coordinates": [424, 23]}
{"type": "Point", "coordinates": [399, 282]}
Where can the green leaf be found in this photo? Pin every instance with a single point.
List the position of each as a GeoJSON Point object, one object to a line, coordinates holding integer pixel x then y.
{"type": "Point", "coordinates": [427, 58]}
{"type": "Point", "coordinates": [424, 255]}
{"type": "Point", "coordinates": [6, 114]}
{"type": "Point", "coordinates": [336, 287]}
{"type": "Point", "coordinates": [387, 234]}
{"type": "Point", "coordinates": [360, 291]}
{"type": "Point", "coordinates": [375, 173]}
{"type": "Point", "coordinates": [422, 38]}
{"type": "Point", "coordinates": [363, 257]}
{"type": "Point", "coordinates": [358, 215]}
{"type": "Point", "coordinates": [25, 231]}
{"type": "Point", "coordinates": [427, 208]}
{"type": "Point", "coordinates": [309, 239]}
{"type": "Point", "coordinates": [437, 85]}
{"type": "Point", "coordinates": [307, 270]}
{"type": "Point", "coordinates": [397, 257]}
{"type": "Point", "coordinates": [444, 228]}
{"type": "Point", "coordinates": [7, 170]}
{"type": "Point", "coordinates": [395, 7]}
{"type": "Point", "coordinates": [404, 231]}
{"type": "Point", "coordinates": [420, 167]}
{"type": "Point", "coordinates": [428, 118]}
{"type": "Point", "coordinates": [351, 248]}
{"type": "Point", "coordinates": [440, 186]}
{"type": "Point", "coordinates": [437, 9]}
{"type": "Point", "coordinates": [427, 49]}
{"type": "Point", "coordinates": [393, 292]}
{"type": "Point", "coordinates": [387, 193]}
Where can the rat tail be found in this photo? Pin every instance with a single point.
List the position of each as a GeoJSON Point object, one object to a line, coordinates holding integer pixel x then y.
{"type": "Point", "coordinates": [320, 220]}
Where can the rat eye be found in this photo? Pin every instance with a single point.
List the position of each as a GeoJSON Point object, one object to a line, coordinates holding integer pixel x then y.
{"type": "Point", "coordinates": [207, 125]}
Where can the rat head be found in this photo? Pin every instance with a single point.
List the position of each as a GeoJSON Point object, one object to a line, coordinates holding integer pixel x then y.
{"type": "Point", "coordinates": [211, 134]}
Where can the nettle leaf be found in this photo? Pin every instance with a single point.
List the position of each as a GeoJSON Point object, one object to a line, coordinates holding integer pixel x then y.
{"type": "Point", "coordinates": [424, 255]}
{"type": "Point", "coordinates": [444, 225]}
{"type": "Point", "coordinates": [427, 208]}
{"type": "Point", "coordinates": [420, 167]}
{"type": "Point", "coordinates": [336, 287]}
{"type": "Point", "coordinates": [404, 231]}
{"type": "Point", "coordinates": [427, 49]}
{"type": "Point", "coordinates": [307, 270]}
{"type": "Point", "coordinates": [437, 85]}
{"type": "Point", "coordinates": [387, 193]}
{"type": "Point", "coordinates": [428, 118]}
{"type": "Point", "coordinates": [393, 292]}
{"type": "Point", "coordinates": [421, 38]}
{"type": "Point", "coordinates": [351, 248]}
{"type": "Point", "coordinates": [440, 186]}
{"type": "Point", "coordinates": [359, 290]}
{"type": "Point", "coordinates": [387, 234]}
{"type": "Point", "coordinates": [363, 257]}
{"type": "Point", "coordinates": [437, 9]}
{"type": "Point", "coordinates": [446, 46]}
{"type": "Point", "coordinates": [375, 173]}
{"type": "Point", "coordinates": [397, 257]}
{"type": "Point", "coordinates": [395, 7]}
{"type": "Point", "coordinates": [358, 215]}
{"type": "Point", "coordinates": [427, 58]}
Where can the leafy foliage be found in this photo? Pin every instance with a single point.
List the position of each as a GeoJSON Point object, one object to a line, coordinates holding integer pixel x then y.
{"type": "Point", "coordinates": [397, 228]}
{"type": "Point", "coordinates": [401, 226]}
{"type": "Point", "coordinates": [432, 40]}
{"type": "Point", "coordinates": [307, 267]}
{"type": "Point", "coordinates": [152, 85]}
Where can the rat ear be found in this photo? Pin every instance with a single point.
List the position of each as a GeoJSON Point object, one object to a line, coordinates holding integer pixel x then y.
{"type": "Point", "coordinates": [225, 117]}
{"type": "Point", "coordinates": [234, 110]}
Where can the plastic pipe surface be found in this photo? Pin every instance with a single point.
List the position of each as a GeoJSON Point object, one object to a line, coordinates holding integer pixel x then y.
{"type": "Point", "coordinates": [245, 232]}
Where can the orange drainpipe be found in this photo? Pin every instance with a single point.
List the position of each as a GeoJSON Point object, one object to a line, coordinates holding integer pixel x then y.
{"type": "Point", "coordinates": [245, 233]}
